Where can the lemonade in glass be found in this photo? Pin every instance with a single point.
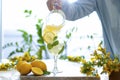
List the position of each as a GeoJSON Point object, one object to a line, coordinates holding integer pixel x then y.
{"type": "Point", "coordinates": [54, 23]}
{"type": "Point", "coordinates": [54, 45]}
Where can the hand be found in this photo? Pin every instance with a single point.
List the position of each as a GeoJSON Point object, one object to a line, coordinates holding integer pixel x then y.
{"type": "Point", "coordinates": [51, 4]}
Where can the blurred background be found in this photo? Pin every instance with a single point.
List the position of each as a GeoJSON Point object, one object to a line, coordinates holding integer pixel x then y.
{"type": "Point", "coordinates": [84, 34]}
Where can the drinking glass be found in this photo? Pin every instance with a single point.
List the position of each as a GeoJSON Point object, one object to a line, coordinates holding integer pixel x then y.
{"type": "Point", "coordinates": [54, 23]}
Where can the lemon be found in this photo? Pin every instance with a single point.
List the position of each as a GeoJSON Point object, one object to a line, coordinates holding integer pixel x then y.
{"type": "Point", "coordinates": [40, 64]}
{"type": "Point", "coordinates": [24, 67]}
{"type": "Point", "coordinates": [37, 71]}
{"type": "Point", "coordinates": [48, 37]}
{"type": "Point", "coordinates": [50, 32]}
{"type": "Point", "coordinates": [18, 65]}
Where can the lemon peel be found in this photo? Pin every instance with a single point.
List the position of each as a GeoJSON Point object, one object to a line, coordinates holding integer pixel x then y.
{"type": "Point", "coordinates": [48, 37]}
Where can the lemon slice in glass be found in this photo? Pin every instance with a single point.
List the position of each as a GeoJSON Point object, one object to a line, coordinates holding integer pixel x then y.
{"type": "Point", "coordinates": [48, 36]}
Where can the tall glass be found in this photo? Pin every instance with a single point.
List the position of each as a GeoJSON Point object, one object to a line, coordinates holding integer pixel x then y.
{"type": "Point", "coordinates": [54, 23]}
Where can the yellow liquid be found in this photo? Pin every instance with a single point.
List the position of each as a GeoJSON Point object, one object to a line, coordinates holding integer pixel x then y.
{"type": "Point", "coordinates": [52, 31]}
{"type": "Point", "coordinates": [52, 28]}
{"type": "Point", "coordinates": [56, 49]}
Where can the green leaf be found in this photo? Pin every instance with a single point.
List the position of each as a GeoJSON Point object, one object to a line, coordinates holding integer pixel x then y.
{"type": "Point", "coordinates": [30, 36]}
{"type": "Point", "coordinates": [25, 11]}
{"type": "Point", "coordinates": [46, 72]}
{"type": "Point", "coordinates": [61, 50]}
{"type": "Point", "coordinates": [49, 46]}
{"type": "Point", "coordinates": [39, 54]}
{"type": "Point", "coordinates": [88, 47]}
{"type": "Point", "coordinates": [8, 45]}
{"type": "Point", "coordinates": [11, 53]}
{"type": "Point", "coordinates": [55, 38]}
{"type": "Point", "coordinates": [37, 26]}
{"type": "Point", "coordinates": [30, 12]}
{"type": "Point", "coordinates": [91, 36]}
{"type": "Point", "coordinates": [40, 41]}
{"type": "Point", "coordinates": [16, 43]}
{"type": "Point", "coordinates": [39, 20]}
{"type": "Point", "coordinates": [24, 32]}
{"type": "Point", "coordinates": [63, 57]}
{"type": "Point", "coordinates": [39, 30]}
{"type": "Point", "coordinates": [68, 35]}
{"type": "Point", "coordinates": [55, 43]}
{"type": "Point", "coordinates": [42, 47]}
{"type": "Point", "coordinates": [21, 49]}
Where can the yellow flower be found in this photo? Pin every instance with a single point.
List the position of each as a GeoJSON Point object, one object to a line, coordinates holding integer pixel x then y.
{"type": "Point", "coordinates": [89, 73]}
{"type": "Point", "coordinates": [117, 69]}
{"type": "Point", "coordinates": [83, 61]}
{"type": "Point", "coordinates": [93, 59]}
{"type": "Point", "coordinates": [97, 75]}
{"type": "Point", "coordinates": [2, 65]}
{"type": "Point", "coordinates": [20, 58]}
{"type": "Point", "coordinates": [108, 54]}
{"type": "Point", "coordinates": [91, 69]}
{"type": "Point", "coordinates": [109, 62]}
{"type": "Point", "coordinates": [33, 58]}
{"type": "Point", "coordinates": [26, 56]}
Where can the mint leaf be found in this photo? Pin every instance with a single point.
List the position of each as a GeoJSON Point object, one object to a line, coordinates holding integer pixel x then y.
{"type": "Point", "coordinates": [46, 72]}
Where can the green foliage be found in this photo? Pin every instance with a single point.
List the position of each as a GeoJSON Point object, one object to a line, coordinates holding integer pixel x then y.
{"type": "Point", "coordinates": [27, 43]}
{"type": "Point", "coordinates": [28, 13]}
{"type": "Point", "coordinates": [46, 72]}
{"type": "Point", "coordinates": [20, 47]}
{"type": "Point", "coordinates": [69, 33]}
{"type": "Point", "coordinates": [40, 41]}
{"type": "Point", "coordinates": [66, 42]}
{"type": "Point", "coordinates": [61, 50]}
{"type": "Point", "coordinates": [51, 45]}
{"type": "Point", "coordinates": [26, 37]}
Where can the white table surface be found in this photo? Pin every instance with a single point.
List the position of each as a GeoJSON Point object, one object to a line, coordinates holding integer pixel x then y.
{"type": "Point", "coordinates": [68, 68]}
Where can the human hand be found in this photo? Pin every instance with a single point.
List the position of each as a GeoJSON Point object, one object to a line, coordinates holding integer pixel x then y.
{"type": "Point", "coordinates": [53, 4]}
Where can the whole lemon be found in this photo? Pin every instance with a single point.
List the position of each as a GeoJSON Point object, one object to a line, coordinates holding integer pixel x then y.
{"type": "Point", "coordinates": [40, 64]}
{"type": "Point", "coordinates": [24, 67]}
{"type": "Point", "coordinates": [18, 65]}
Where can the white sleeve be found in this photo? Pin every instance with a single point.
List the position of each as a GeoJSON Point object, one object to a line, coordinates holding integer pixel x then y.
{"type": "Point", "coordinates": [78, 9]}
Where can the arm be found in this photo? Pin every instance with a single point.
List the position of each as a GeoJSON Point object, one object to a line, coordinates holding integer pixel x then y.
{"type": "Point", "coordinates": [78, 9]}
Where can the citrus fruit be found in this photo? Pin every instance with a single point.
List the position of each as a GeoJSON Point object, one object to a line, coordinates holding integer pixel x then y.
{"type": "Point", "coordinates": [48, 37]}
{"type": "Point", "coordinates": [18, 65]}
{"type": "Point", "coordinates": [37, 71]}
{"type": "Point", "coordinates": [24, 67]}
{"type": "Point", "coordinates": [40, 64]}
